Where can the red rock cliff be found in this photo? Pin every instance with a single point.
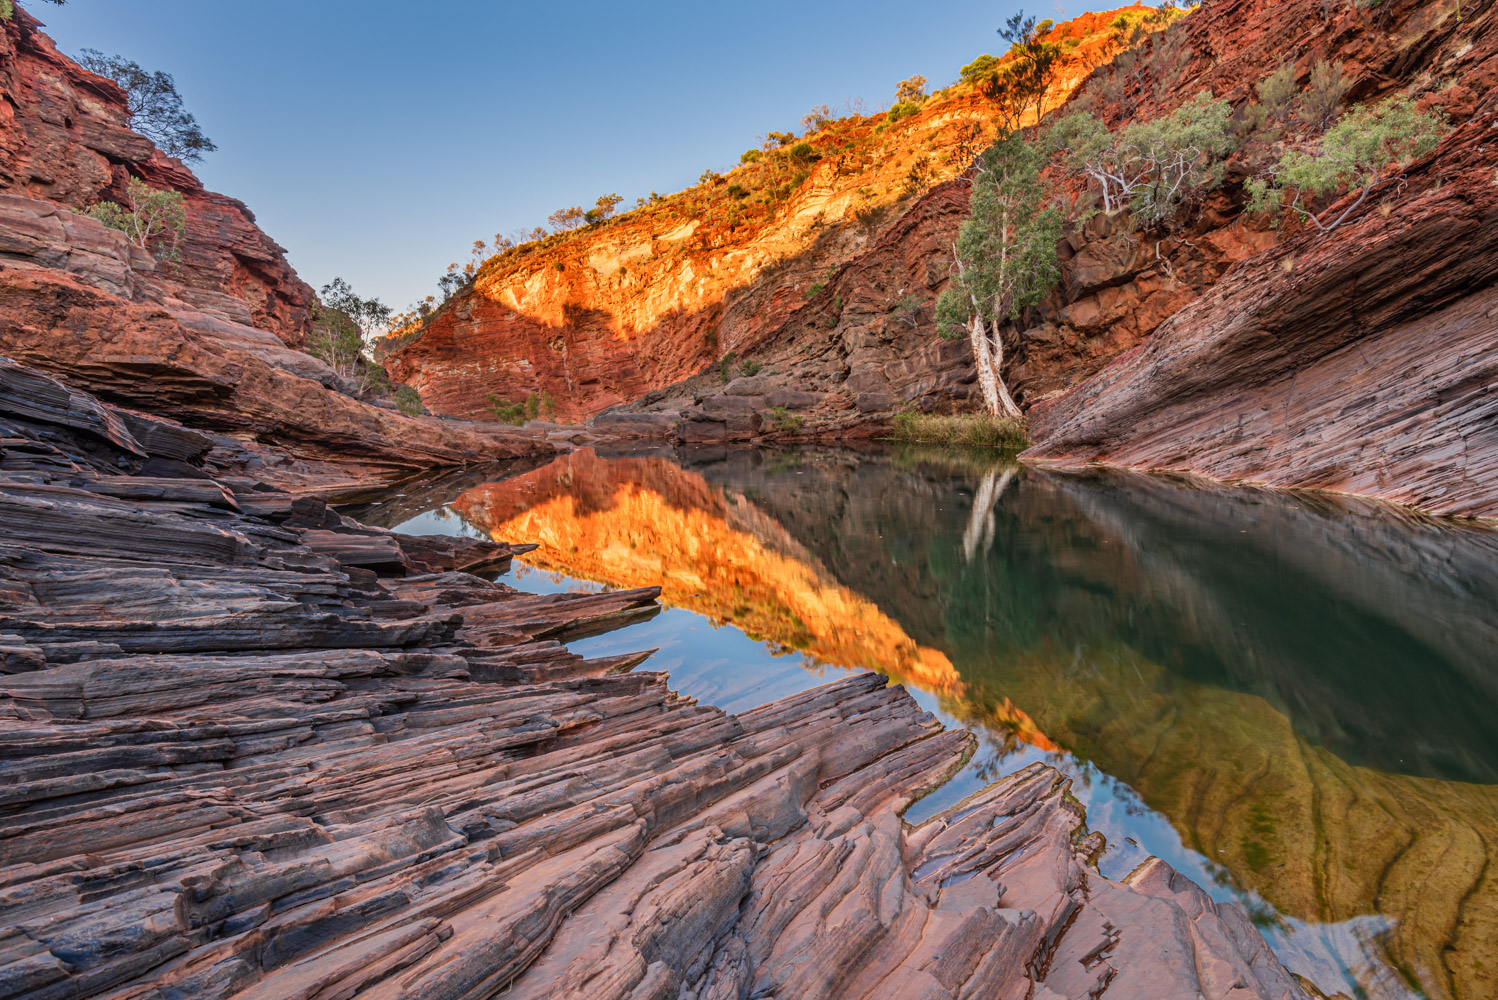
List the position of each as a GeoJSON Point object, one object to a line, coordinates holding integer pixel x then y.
{"type": "Point", "coordinates": [1365, 361]}
{"type": "Point", "coordinates": [65, 139]}
{"type": "Point", "coordinates": [210, 342]}
{"type": "Point", "coordinates": [631, 307]}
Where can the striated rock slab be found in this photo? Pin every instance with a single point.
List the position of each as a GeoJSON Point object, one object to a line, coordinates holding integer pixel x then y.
{"type": "Point", "coordinates": [1360, 362]}
{"type": "Point", "coordinates": [254, 749]}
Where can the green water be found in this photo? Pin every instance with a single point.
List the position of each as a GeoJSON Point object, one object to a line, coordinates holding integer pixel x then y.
{"type": "Point", "coordinates": [1289, 698]}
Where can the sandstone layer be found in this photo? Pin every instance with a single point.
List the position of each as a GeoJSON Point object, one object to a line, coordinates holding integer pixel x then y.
{"type": "Point", "coordinates": [1365, 361]}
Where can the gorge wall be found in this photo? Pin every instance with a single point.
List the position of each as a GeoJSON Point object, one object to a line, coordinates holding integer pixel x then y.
{"type": "Point", "coordinates": [750, 265]}
{"type": "Point", "coordinates": [210, 341]}
{"type": "Point", "coordinates": [1290, 372]}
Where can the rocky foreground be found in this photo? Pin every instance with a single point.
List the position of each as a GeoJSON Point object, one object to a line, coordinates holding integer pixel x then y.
{"type": "Point", "coordinates": [252, 748]}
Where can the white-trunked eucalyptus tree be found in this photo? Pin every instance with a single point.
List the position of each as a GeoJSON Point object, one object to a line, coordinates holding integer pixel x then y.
{"type": "Point", "coordinates": [1005, 260]}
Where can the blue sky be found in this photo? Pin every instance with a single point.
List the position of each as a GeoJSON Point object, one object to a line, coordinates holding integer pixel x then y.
{"type": "Point", "coordinates": [376, 140]}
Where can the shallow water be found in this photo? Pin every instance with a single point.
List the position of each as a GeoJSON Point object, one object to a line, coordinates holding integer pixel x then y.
{"type": "Point", "coordinates": [1289, 698]}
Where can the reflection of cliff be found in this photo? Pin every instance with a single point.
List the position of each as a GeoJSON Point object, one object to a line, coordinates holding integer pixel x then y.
{"type": "Point", "coordinates": [1306, 691]}
{"type": "Point", "coordinates": [647, 522]}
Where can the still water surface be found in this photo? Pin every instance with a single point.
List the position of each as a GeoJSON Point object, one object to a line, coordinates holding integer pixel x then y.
{"type": "Point", "coordinates": [1292, 699]}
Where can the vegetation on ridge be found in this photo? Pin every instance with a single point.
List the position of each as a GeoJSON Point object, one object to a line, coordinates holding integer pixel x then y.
{"type": "Point", "coordinates": [154, 219]}
{"type": "Point", "coordinates": [156, 109]}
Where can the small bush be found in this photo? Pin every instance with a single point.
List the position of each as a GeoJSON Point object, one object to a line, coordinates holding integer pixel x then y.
{"type": "Point", "coordinates": [408, 401]}
{"type": "Point", "coordinates": [802, 152]}
{"type": "Point", "coordinates": [817, 119]}
{"type": "Point", "coordinates": [901, 111]}
{"type": "Point", "coordinates": [751, 367]}
{"type": "Point", "coordinates": [519, 412]}
{"type": "Point", "coordinates": [725, 367]}
{"type": "Point", "coordinates": [784, 420]}
{"type": "Point", "coordinates": [153, 219]}
{"type": "Point", "coordinates": [737, 191]}
{"type": "Point", "coordinates": [968, 430]}
{"type": "Point", "coordinates": [750, 156]}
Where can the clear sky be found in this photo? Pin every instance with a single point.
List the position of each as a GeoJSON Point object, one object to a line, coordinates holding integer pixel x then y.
{"type": "Point", "coordinates": [376, 140]}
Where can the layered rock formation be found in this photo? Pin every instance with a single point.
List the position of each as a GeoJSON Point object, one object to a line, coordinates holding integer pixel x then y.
{"type": "Point", "coordinates": [67, 142]}
{"type": "Point", "coordinates": [209, 342]}
{"type": "Point", "coordinates": [1365, 361]}
{"type": "Point", "coordinates": [296, 756]}
{"type": "Point", "coordinates": [1252, 383]}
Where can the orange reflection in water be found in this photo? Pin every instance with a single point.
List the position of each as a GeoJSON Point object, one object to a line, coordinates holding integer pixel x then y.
{"type": "Point", "coordinates": [643, 522]}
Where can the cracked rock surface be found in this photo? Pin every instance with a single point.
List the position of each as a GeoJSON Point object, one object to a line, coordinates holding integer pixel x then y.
{"type": "Point", "coordinates": [252, 748]}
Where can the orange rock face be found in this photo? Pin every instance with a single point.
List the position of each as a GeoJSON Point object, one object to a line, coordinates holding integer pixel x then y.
{"type": "Point", "coordinates": [735, 266]}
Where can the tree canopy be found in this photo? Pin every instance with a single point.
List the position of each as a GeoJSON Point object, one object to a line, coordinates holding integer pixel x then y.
{"type": "Point", "coordinates": [156, 109]}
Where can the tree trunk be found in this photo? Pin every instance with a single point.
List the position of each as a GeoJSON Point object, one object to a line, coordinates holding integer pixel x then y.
{"type": "Point", "coordinates": [988, 379]}
{"type": "Point", "coordinates": [1006, 407]}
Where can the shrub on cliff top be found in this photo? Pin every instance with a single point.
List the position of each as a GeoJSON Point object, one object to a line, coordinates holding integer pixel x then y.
{"type": "Point", "coordinates": [156, 110]}
{"type": "Point", "coordinates": [8, 8]}
{"type": "Point", "coordinates": [1351, 156]}
{"type": "Point", "coordinates": [153, 219]}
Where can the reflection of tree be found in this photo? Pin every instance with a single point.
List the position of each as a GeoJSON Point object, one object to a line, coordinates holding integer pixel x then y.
{"type": "Point", "coordinates": [980, 522]}
{"type": "Point", "coordinates": [1193, 644]}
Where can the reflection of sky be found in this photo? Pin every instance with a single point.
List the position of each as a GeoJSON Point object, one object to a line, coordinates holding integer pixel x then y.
{"type": "Point", "coordinates": [720, 665]}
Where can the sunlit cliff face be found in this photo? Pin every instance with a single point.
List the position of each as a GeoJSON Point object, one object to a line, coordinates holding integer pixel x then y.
{"type": "Point", "coordinates": [605, 314]}
{"type": "Point", "coordinates": [645, 522]}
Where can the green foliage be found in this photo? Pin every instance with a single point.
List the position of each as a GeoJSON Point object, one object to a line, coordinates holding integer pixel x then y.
{"type": "Point", "coordinates": [1324, 93]}
{"type": "Point", "coordinates": [408, 401]}
{"type": "Point", "coordinates": [911, 91]}
{"type": "Point", "coordinates": [816, 286]}
{"type": "Point", "coordinates": [901, 111]}
{"type": "Point", "coordinates": [1350, 156]}
{"type": "Point", "coordinates": [979, 70]}
{"type": "Point", "coordinates": [153, 219]}
{"type": "Point", "coordinates": [751, 367]}
{"type": "Point", "coordinates": [156, 110]}
{"type": "Point", "coordinates": [803, 152]}
{"type": "Point", "coordinates": [1149, 167]}
{"type": "Point", "coordinates": [1006, 248]}
{"type": "Point", "coordinates": [737, 191]}
{"type": "Point", "coordinates": [1018, 84]}
{"type": "Point", "coordinates": [725, 367]}
{"type": "Point", "coordinates": [917, 178]}
{"type": "Point", "coordinates": [969, 430]}
{"type": "Point", "coordinates": [343, 327]}
{"type": "Point", "coordinates": [784, 421]}
{"type": "Point", "coordinates": [8, 8]}
{"type": "Point", "coordinates": [521, 411]}
{"type": "Point", "coordinates": [750, 156]}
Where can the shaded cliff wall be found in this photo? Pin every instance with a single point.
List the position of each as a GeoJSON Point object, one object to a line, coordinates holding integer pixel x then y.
{"type": "Point", "coordinates": [209, 342]}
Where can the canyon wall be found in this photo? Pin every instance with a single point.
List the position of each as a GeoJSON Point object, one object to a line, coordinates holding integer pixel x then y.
{"type": "Point", "coordinates": [1362, 361]}
{"type": "Point", "coordinates": [638, 305]}
{"type": "Point", "coordinates": [210, 341]}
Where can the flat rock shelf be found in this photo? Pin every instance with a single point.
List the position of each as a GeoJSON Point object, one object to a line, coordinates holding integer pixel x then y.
{"type": "Point", "coordinates": [250, 747]}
